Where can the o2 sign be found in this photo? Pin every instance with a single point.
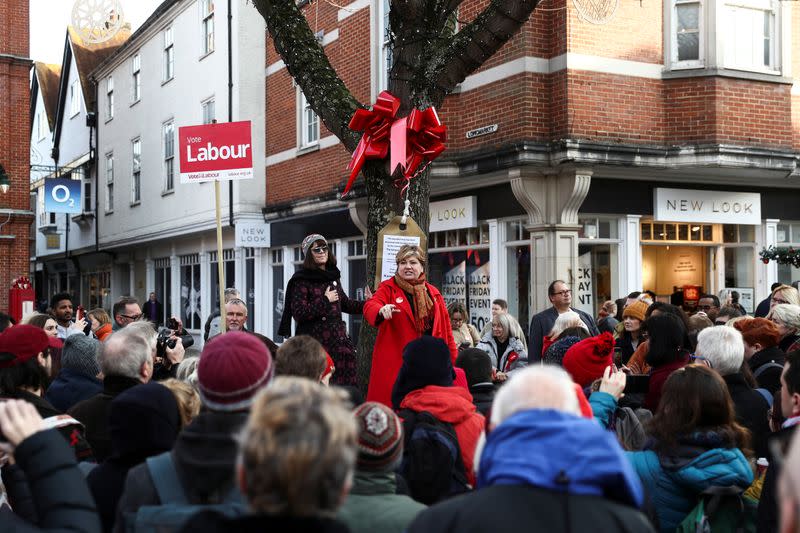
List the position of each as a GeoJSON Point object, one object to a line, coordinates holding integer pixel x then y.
{"type": "Point", "coordinates": [62, 195]}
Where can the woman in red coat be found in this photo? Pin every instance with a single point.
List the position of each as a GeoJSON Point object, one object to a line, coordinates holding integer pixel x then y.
{"type": "Point", "coordinates": [403, 308]}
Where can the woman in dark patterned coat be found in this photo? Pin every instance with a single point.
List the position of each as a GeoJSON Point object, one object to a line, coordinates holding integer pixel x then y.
{"type": "Point", "coordinates": [316, 301]}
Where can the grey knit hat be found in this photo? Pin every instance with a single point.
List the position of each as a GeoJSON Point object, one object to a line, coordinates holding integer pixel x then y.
{"type": "Point", "coordinates": [310, 240]}
{"type": "Point", "coordinates": [554, 355]}
{"type": "Point", "coordinates": [80, 355]}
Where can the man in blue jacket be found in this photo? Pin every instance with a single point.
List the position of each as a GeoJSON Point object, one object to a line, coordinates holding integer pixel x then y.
{"type": "Point", "coordinates": [588, 485]}
{"type": "Point", "coordinates": [560, 296]}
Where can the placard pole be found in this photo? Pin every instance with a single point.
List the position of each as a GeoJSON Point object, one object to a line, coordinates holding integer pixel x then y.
{"type": "Point", "coordinates": [220, 264]}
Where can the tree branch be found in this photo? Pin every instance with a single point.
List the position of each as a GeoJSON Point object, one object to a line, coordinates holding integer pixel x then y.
{"type": "Point", "coordinates": [307, 63]}
{"type": "Point", "coordinates": [479, 40]}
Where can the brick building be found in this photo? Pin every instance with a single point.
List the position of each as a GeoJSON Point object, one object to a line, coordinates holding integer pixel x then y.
{"type": "Point", "coordinates": [15, 206]}
{"type": "Point", "coordinates": [647, 145]}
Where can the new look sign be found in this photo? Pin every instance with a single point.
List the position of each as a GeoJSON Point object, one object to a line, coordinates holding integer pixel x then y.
{"type": "Point", "coordinates": [211, 152]}
{"type": "Point", "coordinates": [722, 207]}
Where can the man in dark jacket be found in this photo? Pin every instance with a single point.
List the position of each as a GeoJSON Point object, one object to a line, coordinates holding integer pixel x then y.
{"type": "Point", "coordinates": [298, 450]}
{"type": "Point", "coordinates": [59, 494]}
{"type": "Point", "coordinates": [126, 360]}
{"type": "Point", "coordinates": [723, 348]}
{"type": "Point", "coordinates": [232, 369]}
{"type": "Point", "coordinates": [561, 297]}
{"type": "Point", "coordinates": [588, 485]}
{"type": "Point", "coordinates": [77, 380]}
{"type": "Point", "coordinates": [790, 406]}
{"type": "Point", "coordinates": [477, 366]}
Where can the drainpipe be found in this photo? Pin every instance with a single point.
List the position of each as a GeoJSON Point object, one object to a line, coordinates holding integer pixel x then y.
{"type": "Point", "coordinates": [230, 104]}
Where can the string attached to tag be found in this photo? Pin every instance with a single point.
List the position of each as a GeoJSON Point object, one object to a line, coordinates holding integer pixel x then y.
{"type": "Point", "coordinates": [406, 213]}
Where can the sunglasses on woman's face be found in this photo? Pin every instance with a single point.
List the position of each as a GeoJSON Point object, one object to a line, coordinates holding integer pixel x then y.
{"type": "Point", "coordinates": [320, 249]}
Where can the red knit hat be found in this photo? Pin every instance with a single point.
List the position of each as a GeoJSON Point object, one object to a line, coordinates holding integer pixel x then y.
{"type": "Point", "coordinates": [586, 360]}
{"type": "Point", "coordinates": [232, 369]}
{"type": "Point", "coordinates": [21, 343]}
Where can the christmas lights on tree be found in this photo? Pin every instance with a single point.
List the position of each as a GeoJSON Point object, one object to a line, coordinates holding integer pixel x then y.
{"type": "Point", "coordinates": [782, 256]}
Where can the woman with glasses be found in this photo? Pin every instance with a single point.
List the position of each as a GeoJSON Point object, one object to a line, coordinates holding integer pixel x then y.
{"type": "Point", "coordinates": [404, 308]}
{"type": "Point", "coordinates": [465, 334]}
{"type": "Point", "coordinates": [315, 300]}
{"type": "Point", "coordinates": [786, 318]}
{"type": "Point", "coordinates": [784, 294]}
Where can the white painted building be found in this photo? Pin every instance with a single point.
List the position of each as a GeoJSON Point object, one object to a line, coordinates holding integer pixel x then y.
{"type": "Point", "coordinates": [63, 138]}
{"type": "Point", "coordinates": [173, 72]}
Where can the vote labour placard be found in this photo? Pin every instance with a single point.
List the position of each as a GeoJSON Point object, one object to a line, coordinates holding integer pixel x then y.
{"type": "Point", "coordinates": [221, 151]}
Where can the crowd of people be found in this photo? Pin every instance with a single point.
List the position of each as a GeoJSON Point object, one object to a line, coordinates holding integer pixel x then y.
{"type": "Point", "coordinates": [643, 418]}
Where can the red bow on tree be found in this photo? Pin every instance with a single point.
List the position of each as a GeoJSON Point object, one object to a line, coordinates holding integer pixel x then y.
{"type": "Point", "coordinates": [413, 139]}
{"type": "Point", "coordinates": [416, 138]}
{"type": "Point", "coordinates": [376, 124]}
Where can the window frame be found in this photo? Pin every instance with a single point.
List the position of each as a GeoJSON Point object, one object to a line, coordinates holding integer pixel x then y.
{"type": "Point", "coordinates": [168, 55]}
{"type": "Point", "coordinates": [764, 6]}
{"type": "Point", "coordinates": [207, 27]}
{"type": "Point", "coordinates": [74, 98]}
{"type": "Point", "coordinates": [109, 98]}
{"type": "Point", "coordinates": [204, 106]}
{"type": "Point", "coordinates": [109, 207]}
{"type": "Point", "coordinates": [674, 62]}
{"type": "Point", "coordinates": [168, 152]}
{"type": "Point", "coordinates": [303, 107]}
{"type": "Point", "coordinates": [136, 78]}
{"type": "Point", "coordinates": [136, 171]}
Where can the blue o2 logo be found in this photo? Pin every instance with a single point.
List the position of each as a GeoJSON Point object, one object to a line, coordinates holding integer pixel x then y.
{"type": "Point", "coordinates": [62, 195]}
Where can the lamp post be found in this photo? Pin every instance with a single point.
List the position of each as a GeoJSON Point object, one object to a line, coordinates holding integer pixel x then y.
{"type": "Point", "coordinates": [5, 183]}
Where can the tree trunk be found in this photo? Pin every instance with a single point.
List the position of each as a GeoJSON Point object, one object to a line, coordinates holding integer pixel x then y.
{"type": "Point", "coordinates": [384, 202]}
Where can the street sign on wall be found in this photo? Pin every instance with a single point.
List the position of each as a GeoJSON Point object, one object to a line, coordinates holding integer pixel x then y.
{"type": "Point", "coordinates": [209, 152]}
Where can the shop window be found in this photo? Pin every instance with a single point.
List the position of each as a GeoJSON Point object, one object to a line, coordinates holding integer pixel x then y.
{"type": "Point", "coordinates": [463, 275]}
{"type": "Point", "coordinates": [519, 282]}
{"type": "Point", "coordinates": [597, 228]}
{"type": "Point", "coordinates": [163, 286]}
{"type": "Point", "coordinates": [276, 265]}
{"type": "Point", "coordinates": [460, 237]}
{"type": "Point", "coordinates": [739, 266]}
{"type": "Point", "coordinates": [229, 271]}
{"type": "Point", "coordinates": [250, 285]}
{"type": "Point", "coordinates": [659, 231]}
{"type": "Point", "coordinates": [357, 278]}
{"type": "Point", "coordinates": [788, 236]}
{"type": "Point", "coordinates": [738, 233]}
{"type": "Point", "coordinates": [190, 291]}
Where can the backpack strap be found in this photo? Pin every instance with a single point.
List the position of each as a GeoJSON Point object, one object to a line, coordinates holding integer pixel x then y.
{"type": "Point", "coordinates": [767, 396]}
{"type": "Point", "coordinates": [165, 479]}
{"type": "Point", "coordinates": [766, 366]}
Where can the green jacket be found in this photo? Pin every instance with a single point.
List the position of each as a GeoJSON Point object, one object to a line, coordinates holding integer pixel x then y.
{"type": "Point", "coordinates": [373, 505]}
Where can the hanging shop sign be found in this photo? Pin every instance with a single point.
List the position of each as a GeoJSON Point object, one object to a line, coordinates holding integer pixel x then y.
{"type": "Point", "coordinates": [456, 213]}
{"type": "Point", "coordinates": [723, 207]}
{"type": "Point", "coordinates": [62, 195]}
{"type": "Point", "coordinates": [222, 151]}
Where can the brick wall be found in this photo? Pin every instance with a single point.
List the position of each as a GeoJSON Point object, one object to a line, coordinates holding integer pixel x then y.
{"type": "Point", "coordinates": [541, 107]}
{"type": "Point", "coordinates": [14, 144]}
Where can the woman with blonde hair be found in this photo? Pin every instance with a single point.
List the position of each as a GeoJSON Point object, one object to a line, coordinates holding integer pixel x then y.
{"type": "Point", "coordinates": [403, 308]}
{"type": "Point", "coordinates": [784, 294]}
{"type": "Point", "coordinates": [465, 334]}
{"type": "Point", "coordinates": [187, 397]}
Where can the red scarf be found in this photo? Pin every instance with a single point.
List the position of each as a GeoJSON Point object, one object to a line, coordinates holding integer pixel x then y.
{"type": "Point", "coordinates": [422, 303]}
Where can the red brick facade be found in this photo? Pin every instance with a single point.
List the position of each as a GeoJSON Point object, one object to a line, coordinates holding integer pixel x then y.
{"type": "Point", "coordinates": [555, 104]}
{"type": "Point", "coordinates": [14, 145]}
